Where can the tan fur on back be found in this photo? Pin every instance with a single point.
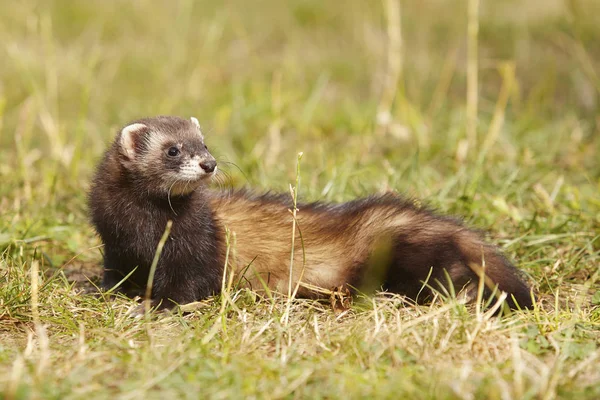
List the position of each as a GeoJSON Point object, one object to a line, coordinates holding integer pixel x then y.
{"type": "Point", "coordinates": [333, 244]}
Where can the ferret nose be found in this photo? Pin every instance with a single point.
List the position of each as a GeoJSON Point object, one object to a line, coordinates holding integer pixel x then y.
{"type": "Point", "coordinates": [208, 165]}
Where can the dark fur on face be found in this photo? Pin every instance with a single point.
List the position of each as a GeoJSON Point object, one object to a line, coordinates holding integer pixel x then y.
{"type": "Point", "coordinates": [381, 241]}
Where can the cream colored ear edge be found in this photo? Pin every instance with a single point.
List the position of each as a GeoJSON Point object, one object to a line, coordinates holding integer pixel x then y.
{"type": "Point", "coordinates": [127, 138]}
{"type": "Point", "coordinates": [196, 124]}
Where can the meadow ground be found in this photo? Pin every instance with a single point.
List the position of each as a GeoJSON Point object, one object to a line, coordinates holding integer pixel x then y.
{"type": "Point", "coordinates": [375, 99]}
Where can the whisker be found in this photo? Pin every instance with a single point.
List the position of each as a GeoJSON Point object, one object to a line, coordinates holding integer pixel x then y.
{"type": "Point", "coordinates": [225, 175]}
{"type": "Point", "coordinates": [169, 196]}
{"type": "Point", "coordinates": [236, 167]}
{"type": "Point", "coordinates": [223, 179]}
{"type": "Point", "coordinates": [216, 178]}
{"type": "Point", "coordinates": [224, 183]}
{"type": "Point", "coordinates": [187, 183]}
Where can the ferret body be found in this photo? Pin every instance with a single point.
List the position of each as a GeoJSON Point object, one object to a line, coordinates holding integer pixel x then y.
{"type": "Point", "coordinates": [155, 171]}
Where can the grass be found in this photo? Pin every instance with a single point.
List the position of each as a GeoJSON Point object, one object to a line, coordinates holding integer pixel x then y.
{"type": "Point", "coordinates": [270, 81]}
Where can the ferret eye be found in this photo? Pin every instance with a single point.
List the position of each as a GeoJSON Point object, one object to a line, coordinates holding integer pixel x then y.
{"type": "Point", "coordinates": [173, 151]}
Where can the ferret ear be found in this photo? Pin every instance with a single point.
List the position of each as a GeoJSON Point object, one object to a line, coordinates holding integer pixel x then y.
{"type": "Point", "coordinates": [129, 136]}
{"type": "Point", "coordinates": [197, 125]}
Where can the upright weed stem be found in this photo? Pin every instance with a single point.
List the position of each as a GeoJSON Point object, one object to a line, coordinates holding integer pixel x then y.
{"type": "Point", "coordinates": [294, 193]}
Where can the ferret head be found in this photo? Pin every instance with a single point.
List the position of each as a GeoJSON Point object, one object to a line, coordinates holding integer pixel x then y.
{"type": "Point", "coordinates": [166, 153]}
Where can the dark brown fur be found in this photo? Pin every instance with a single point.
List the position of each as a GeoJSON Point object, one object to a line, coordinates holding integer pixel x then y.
{"type": "Point", "coordinates": [383, 239]}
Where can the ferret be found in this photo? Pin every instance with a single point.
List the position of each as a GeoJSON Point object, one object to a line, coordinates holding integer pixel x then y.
{"type": "Point", "coordinates": [157, 171]}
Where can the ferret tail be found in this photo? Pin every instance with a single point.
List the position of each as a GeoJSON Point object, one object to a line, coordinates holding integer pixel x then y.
{"type": "Point", "coordinates": [498, 274]}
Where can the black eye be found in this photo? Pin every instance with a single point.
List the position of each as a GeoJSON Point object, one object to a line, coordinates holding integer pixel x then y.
{"type": "Point", "coordinates": [173, 151]}
{"type": "Point", "coordinates": [205, 148]}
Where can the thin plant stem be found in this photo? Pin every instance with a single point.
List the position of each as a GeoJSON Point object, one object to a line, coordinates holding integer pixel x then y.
{"type": "Point", "coordinates": [159, 249]}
